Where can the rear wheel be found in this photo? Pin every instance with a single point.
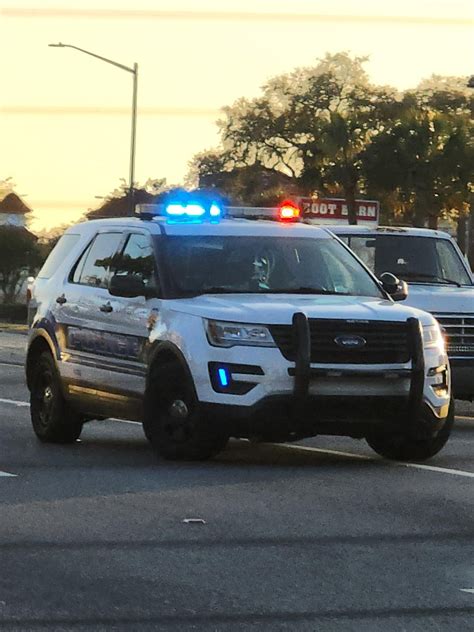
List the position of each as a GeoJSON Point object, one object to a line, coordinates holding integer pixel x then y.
{"type": "Point", "coordinates": [403, 447]}
{"type": "Point", "coordinates": [52, 418]}
{"type": "Point", "coordinates": [173, 423]}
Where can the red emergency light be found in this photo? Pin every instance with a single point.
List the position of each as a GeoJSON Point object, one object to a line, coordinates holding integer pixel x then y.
{"type": "Point", "coordinates": [288, 212]}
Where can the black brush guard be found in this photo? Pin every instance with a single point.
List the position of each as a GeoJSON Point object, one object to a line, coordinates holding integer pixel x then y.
{"type": "Point", "coordinates": [302, 371]}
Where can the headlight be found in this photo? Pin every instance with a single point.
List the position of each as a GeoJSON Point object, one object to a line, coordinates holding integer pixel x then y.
{"type": "Point", "coordinates": [432, 337]}
{"type": "Point", "coordinates": [223, 334]}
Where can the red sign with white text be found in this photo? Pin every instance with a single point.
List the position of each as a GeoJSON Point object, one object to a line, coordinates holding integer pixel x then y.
{"type": "Point", "coordinates": [334, 210]}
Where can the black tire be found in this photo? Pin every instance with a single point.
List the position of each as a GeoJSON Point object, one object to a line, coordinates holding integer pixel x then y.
{"type": "Point", "coordinates": [403, 447]}
{"type": "Point", "coordinates": [53, 420]}
{"type": "Point", "coordinates": [173, 423]}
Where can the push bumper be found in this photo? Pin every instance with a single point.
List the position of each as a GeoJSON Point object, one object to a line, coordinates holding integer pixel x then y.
{"type": "Point", "coordinates": [306, 412]}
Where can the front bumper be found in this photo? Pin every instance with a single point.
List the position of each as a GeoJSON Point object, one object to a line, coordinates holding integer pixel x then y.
{"type": "Point", "coordinates": [284, 418]}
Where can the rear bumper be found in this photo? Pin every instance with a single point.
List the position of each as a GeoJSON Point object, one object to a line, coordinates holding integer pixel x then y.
{"type": "Point", "coordinates": [462, 378]}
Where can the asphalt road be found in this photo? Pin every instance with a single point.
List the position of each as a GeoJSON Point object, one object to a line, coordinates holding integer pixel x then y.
{"type": "Point", "coordinates": [92, 536]}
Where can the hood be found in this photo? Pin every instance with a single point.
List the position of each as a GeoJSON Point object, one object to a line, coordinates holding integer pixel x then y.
{"type": "Point", "coordinates": [447, 299]}
{"type": "Point", "coordinates": [279, 309]}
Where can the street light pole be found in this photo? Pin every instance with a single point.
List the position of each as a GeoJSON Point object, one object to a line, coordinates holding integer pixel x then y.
{"type": "Point", "coordinates": [134, 71]}
{"type": "Point", "coordinates": [131, 191]}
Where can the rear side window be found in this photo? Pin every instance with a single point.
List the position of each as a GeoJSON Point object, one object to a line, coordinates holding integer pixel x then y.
{"type": "Point", "coordinates": [57, 255]}
{"type": "Point", "coordinates": [93, 267]}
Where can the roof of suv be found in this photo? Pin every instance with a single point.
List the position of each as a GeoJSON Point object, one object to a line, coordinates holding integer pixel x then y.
{"type": "Point", "coordinates": [229, 227]}
{"type": "Point", "coordinates": [388, 230]}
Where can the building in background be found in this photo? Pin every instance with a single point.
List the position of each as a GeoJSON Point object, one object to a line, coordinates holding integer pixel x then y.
{"type": "Point", "coordinates": [13, 211]}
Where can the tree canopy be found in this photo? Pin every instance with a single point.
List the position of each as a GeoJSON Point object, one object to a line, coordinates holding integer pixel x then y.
{"type": "Point", "coordinates": [327, 128]}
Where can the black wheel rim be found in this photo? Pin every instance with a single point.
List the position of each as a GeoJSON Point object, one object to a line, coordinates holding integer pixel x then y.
{"type": "Point", "coordinates": [177, 429]}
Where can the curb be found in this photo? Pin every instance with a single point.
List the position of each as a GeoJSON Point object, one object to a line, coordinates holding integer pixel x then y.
{"type": "Point", "coordinates": [14, 332]}
{"type": "Point", "coordinates": [13, 359]}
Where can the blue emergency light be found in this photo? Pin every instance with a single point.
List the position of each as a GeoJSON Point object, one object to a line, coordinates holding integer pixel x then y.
{"type": "Point", "coordinates": [223, 377]}
{"type": "Point", "coordinates": [192, 211]}
{"type": "Point", "coordinates": [194, 207]}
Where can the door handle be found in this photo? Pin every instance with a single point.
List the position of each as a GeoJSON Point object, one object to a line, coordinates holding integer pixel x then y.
{"type": "Point", "coordinates": [61, 299]}
{"type": "Point", "coordinates": [107, 308]}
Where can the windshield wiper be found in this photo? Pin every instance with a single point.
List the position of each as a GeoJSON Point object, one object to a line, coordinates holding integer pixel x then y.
{"type": "Point", "coordinates": [432, 277]}
{"type": "Point", "coordinates": [302, 290]}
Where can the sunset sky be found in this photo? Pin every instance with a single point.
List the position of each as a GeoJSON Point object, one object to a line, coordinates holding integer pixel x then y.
{"type": "Point", "coordinates": [65, 124]}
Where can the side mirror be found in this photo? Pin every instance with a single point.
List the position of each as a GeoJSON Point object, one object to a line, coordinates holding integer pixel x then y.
{"type": "Point", "coordinates": [127, 286]}
{"type": "Point", "coordinates": [397, 289]}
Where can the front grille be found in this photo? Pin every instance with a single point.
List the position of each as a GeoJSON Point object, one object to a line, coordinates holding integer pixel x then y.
{"type": "Point", "coordinates": [459, 332]}
{"type": "Point", "coordinates": [386, 342]}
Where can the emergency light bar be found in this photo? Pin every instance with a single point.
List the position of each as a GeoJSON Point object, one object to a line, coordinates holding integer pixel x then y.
{"type": "Point", "coordinates": [192, 209]}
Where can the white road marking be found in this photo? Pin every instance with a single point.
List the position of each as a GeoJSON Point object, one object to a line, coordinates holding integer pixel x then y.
{"type": "Point", "coordinates": [13, 402]}
{"type": "Point", "coordinates": [442, 470]}
{"type": "Point", "coordinates": [464, 418]}
{"type": "Point", "coordinates": [123, 421]}
{"type": "Point", "coordinates": [467, 590]}
{"type": "Point", "coordinates": [418, 466]}
{"type": "Point", "coordinates": [9, 364]}
{"type": "Point", "coordinates": [324, 451]}
{"type": "Point", "coordinates": [7, 474]}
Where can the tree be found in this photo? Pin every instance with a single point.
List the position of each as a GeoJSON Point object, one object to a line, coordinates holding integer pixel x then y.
{"type": "Point", "coordinates": [19, 256]}
{"type": "Point", "coordinates": [424, 159]}
{"type": "Point", "coordinates": [312, 125]}
{"type": "Point", "coordinates": [328, 129]}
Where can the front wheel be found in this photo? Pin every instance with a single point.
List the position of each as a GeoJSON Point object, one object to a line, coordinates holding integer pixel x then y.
{"type": "Point", "coordinates": [403, 447]}
{"type": "Point", "coordinates": [52, 418]}
{"type": "Point", "coordinates": [173, 423]}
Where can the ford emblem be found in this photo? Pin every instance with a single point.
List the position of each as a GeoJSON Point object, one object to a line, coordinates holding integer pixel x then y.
{"type": "Point", "coordinates": [350, 342]}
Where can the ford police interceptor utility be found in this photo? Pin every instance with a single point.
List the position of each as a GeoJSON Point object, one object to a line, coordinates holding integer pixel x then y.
{"type": "Point", "coordinates": [204, 327]}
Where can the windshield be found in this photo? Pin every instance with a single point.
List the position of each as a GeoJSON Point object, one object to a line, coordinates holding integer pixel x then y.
{"type": "Point", "coordinates": [228, 264]}
{"type": "Point", "coordinates": [415, 259]}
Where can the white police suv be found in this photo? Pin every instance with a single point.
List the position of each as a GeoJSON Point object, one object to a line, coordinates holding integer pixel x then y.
{"type": "Point", "coordinates": [204, 327]}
